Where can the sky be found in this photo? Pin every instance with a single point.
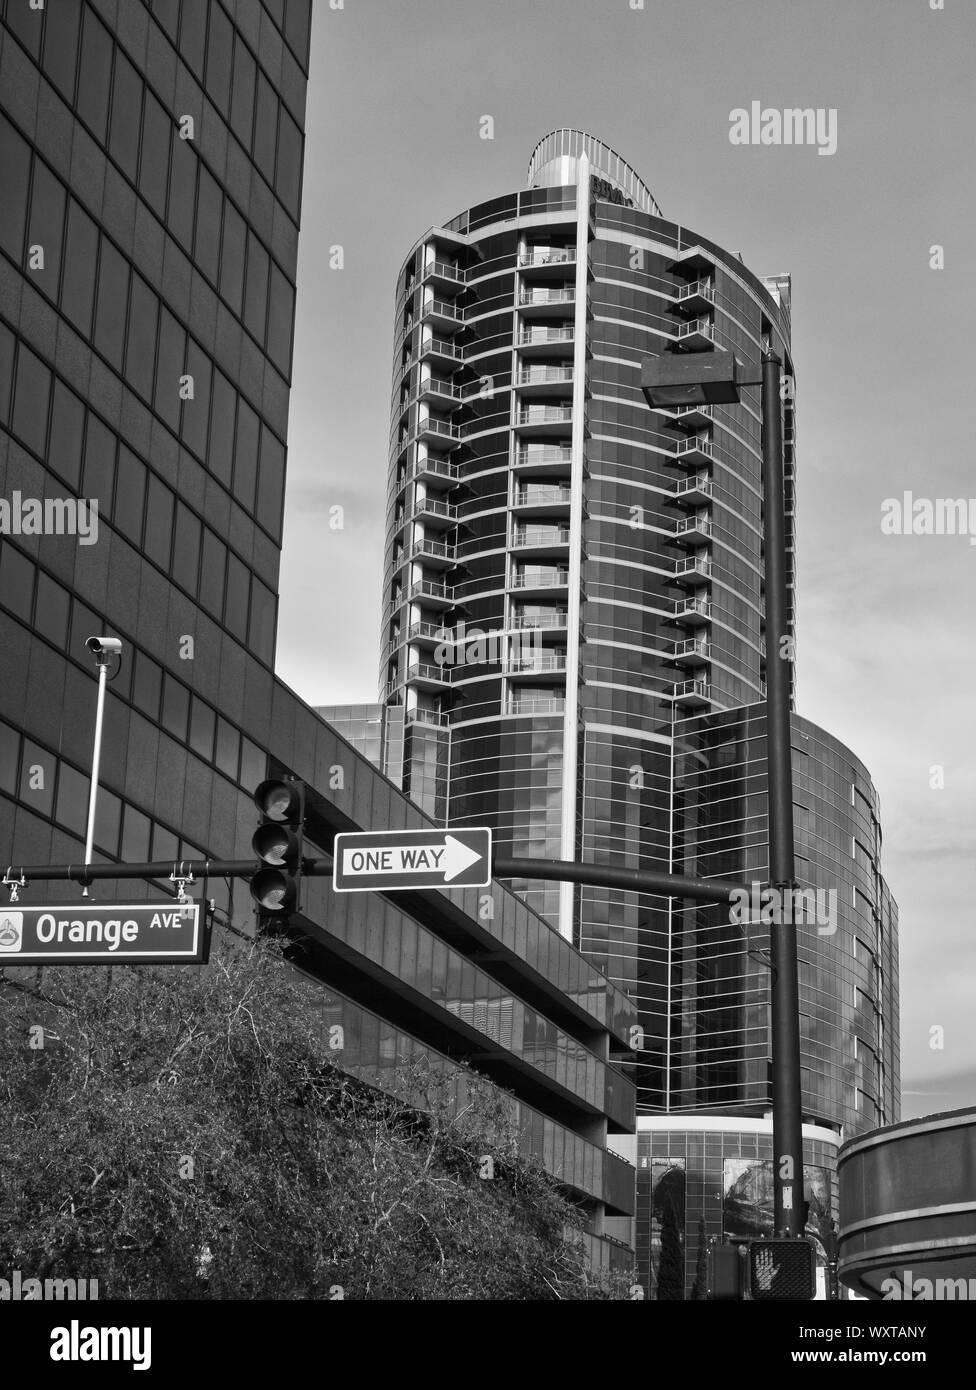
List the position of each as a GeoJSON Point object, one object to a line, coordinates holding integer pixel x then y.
{"type": "Point", "coordinates": [883, 347]}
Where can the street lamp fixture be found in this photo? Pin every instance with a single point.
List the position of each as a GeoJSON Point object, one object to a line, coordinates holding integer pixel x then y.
{"type": "Point", "coordinates": [696, 378]}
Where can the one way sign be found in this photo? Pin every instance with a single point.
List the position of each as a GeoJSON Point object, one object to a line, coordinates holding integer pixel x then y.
{"type": "Point", "coordinates": [389, 859]}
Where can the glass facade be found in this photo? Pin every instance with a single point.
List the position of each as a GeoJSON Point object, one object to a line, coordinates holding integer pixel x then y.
{"type": "Point", "coordinates": [147, 280]}
{"type": "Point", "coordinates": [575, 616]}
{"type": "Point", "coordinates": [712, 1180]}
{"type": "Point", "coordinates": [151, 167]}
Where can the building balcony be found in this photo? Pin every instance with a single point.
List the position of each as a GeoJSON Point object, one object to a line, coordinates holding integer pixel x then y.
{"type": "Point", "coordinates": [425, 676]}
{"type": "Point", "coordinates": [555, 501]}
{"type": "Point", "coordinates": [546, 419]}
{"type": "Point", "coordinates": [546, 342]}
{"type": "Point", "coordinates": [392, 686]}
{"type": "Point", "coordinates": [693, 491]}
{"type": "Point", "coordinates": [541, 462]}
{"type": "Point", "coordinates": [541, 540]}
{"type": "Point", "coordinates": [695, 450]}
{"type": "Point", "coordinates": [440, 350]}
{"type": "Point", "coordinates": [695, 651]}
{"type": "Point", "coordinates": [527, 705]}
{"type": "Point", "coordinates": [692, 612]}
{"type": "Point", "coordinates": [432, 717]}
{"type": "Point", "coordinates": [441, 313]}
{"type": "Point", "coordinates": [696, 298]}
{"type": "Point", "coordinates": [434, 553]}
{"type": "Point", "coordinates": [541, 622]}
{"type": "Point", "coordinates": [693, 417]}
{"type": "Point", "coordinates": [544, 381]}
{"type": "Point", "coordinates": [424, 634]}
{"type": "Point", "coordinates": [529, 666]}
{"type": "Point", "coordinates": [443, 276]}
{"type": "Point", "coordinates": [546, 303]}
{"type": "Point", "coordinates": [551, 263]}
{"type": "Point", "coordinates": [693, 572]}
{"type": "Point", "coordinates": [431, 592]}
{"type": "Point", "coordinates": [436, 468]}
{"type": "Point", "coordinates": [698, 335]}
{"type": "Point", "coordinates": [693, 259]}
{"type": "Point", "coordinates": [437, 392]}
{"type": "Point", "coordinates": [432, 429]}
{"type": "Point", "coordinates": [695, 694]}
{"type": "Point", "coordinates": [551, 580]}
{"type": "Point", "coordinates": [693, 530]}
{"type": "Point", "coordinates": [433, 512]}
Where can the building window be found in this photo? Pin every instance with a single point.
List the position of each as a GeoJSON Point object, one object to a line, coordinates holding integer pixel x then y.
{"type": "Point", "coordinates": [67, 426]}
{"type": "Point", "coordinates": [176, 708]}
{"type": "Point", "coordinates": [222, 417]}
{"type": "Point", "coordinates": [72, 806]}
{"type": "Point", "coordinates": [9, 758]}
{"type": "Point", "coordinates": [130, 496]}
{"type": "Point", "coordinates": [51, 611]}
{"type": "Point", "coordinates": [78, 279]}
{"type": "Point", "coordinates": [37, 779]}
{"type": "Point", "coordinates": [213, 568]}
{"type": "Point", "coordinates": [202, 720]}
{"type": "Point", "coordinates": [95, 76]}
{"type": "Point", "coordinates": [126, 112]}
{"type": "Point", "coordinates": [147, 685]}
{"type": "Point", "coordinates": [31, 400]}
{"type": "Point", "coordinates": [246, 455]}
{"type": "Point", "coordinates": [61, 50]}
{"type": "Point", "coordinates": [100, 445]}
{"type": "Point", "coordinates": [238, 597]}
{"type": "Point", "coordinates": [46, 229]}
{"type": "Point", "coordinates": [111, 311]}
{"type": "Point", "coordinates": [186, 548]}
{"type": "Point", "coordinates": [135, 836]}
{"type": "Point", "coordinates": [159, 523]}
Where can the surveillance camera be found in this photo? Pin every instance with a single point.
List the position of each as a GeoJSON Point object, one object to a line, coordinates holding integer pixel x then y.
{"type": "Point", "coordinates": [104, 646]}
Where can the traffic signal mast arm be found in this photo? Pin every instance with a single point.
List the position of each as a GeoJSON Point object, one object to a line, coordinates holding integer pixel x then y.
{"type": "Point", "coordinates": [555, 870]}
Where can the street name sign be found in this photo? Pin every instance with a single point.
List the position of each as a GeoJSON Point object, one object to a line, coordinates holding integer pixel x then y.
{"type": "Point", "coordinates": [380, 860]}
{"type": "Point", "coordinates": [102, 934]}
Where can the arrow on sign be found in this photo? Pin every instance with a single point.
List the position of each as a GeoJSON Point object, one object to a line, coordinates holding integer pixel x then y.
{"type": "Point", "coordinates": [411, 859]}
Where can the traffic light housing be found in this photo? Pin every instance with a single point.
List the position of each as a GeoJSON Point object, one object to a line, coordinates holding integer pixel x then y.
{"type": "Point", "coordinates": [782, 1269]}
{"type": "Point", "coordinates": [725, 1272]}
{"type": "Point", "coordinates": [277, 845]}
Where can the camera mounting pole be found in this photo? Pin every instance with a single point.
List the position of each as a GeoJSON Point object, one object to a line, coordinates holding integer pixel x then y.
{"type": "Point", "coordinates": [103, 649]}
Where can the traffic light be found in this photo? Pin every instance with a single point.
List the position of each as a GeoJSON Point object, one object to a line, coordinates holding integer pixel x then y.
{"type": "Point", "coordinates": [782, 1269]}
{"type": "Point", "coordinates": [277, 843]}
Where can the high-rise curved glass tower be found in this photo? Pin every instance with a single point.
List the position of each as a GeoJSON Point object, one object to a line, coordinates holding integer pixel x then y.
{"type": "Point", "coordinates": [573, 626]}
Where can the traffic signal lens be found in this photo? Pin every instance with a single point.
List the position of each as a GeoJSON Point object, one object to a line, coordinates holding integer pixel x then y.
{"type": "Point", "coordinates": [278, 801]}
{"type": "Point", "coordinates": [275, 844]}
{"type": "Point", "coordinates": [273, 891]}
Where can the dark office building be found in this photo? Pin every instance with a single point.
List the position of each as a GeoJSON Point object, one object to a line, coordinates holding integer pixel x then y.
{"type": "Point", "coordinates": [573, 647]}
{"type": "Point", "coordinates": [150, 166]}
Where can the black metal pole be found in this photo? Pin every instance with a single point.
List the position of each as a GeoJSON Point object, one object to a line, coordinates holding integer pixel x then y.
{"type": "Point", "coordinates": [707, 890]}
{"type": "Point", "coordinates": [785, 1000]}
{"type": "Point", "coordinates": [553, 870]}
